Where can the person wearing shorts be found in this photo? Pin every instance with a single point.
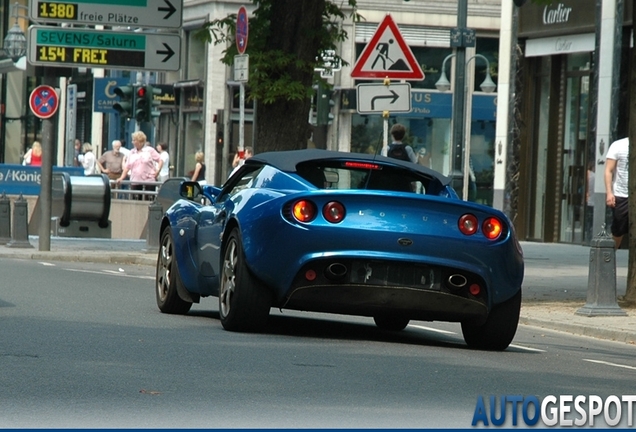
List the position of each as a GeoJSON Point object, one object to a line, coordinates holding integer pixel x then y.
{"type": "Point", "coordinates": [616, 191]}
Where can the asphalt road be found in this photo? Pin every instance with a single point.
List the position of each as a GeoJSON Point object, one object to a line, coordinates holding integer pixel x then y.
{"type": "Point", "coordinates": [83, 345]}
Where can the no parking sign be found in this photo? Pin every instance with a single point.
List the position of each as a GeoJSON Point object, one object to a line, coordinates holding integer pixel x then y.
{"type": "Point", "coordinates": [44, 101]}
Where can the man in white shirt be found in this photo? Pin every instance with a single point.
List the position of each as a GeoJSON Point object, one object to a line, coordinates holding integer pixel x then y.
{"type": "Point", "coordinates": [616, 191]}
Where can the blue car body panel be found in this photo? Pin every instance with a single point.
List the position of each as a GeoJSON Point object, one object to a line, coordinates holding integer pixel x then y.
{"type": "Point", "coordinates": [383, 232]}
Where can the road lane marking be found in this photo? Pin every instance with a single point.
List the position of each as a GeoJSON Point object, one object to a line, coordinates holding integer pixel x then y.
{"type": "Point", "coordinates": [521, 347]}
{"type": "Point", "coordinates": [110, 273]}
{"type": "Point", "coordinates": [610, 364]}
{"type": "Point", "coordinates": [432, 329]}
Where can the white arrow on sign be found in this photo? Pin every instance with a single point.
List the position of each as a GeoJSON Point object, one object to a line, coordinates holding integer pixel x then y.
{"type": "Point", "coordinates": [377, 98]}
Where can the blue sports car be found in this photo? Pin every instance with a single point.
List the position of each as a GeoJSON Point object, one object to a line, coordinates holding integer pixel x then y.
{"type": "Point", "coordinates": [344, 233]}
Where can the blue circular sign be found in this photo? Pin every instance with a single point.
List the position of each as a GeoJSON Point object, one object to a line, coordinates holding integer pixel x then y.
{"type": "Point", "coordinates": [241, 30]}
{"type": "Point", "coordinates": [44, 101]}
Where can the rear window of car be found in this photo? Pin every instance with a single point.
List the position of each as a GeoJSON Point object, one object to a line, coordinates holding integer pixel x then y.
{"type": "Point", "coordinates": [370, 176]}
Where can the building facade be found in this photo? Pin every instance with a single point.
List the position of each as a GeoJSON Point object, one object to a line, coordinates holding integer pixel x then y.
{"type": "Point", "coordinates": [200, 105]}
{"type": "Point", "coordinates": [573, 103]}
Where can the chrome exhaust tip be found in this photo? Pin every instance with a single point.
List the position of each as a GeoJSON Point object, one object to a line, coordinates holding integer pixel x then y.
{"type": "Point", "coordinates": [457, 280]}
{"type": "Point", "coordinates": [335, 271]}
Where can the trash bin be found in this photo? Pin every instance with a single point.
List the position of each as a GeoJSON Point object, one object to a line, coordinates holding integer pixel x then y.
{"type": "Point", "coordinates": [81, 205]}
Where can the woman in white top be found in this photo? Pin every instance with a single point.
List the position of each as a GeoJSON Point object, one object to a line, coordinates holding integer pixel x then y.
{"type": "Point", "coordinates": [89, 161]}
{"type": "Point", "coordinates": [165, 157]}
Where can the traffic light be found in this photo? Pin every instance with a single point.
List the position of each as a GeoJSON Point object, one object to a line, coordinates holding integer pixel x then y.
{"type": "Point", "coordinates": [126, 105]}
{"type": "Point", "coordinates": [145, 103]}
{"type": "Point", "coordinates": [142, 108]}
{"type": "Point", "coordinates": [324, 106]}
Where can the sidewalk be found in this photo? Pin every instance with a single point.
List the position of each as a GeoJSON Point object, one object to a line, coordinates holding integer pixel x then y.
{"type": "Point", "coordinates": [554, 288]}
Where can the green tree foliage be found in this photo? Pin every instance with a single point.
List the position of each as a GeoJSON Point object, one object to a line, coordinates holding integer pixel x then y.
{"type": "Point", "coordinates": [286, 38]}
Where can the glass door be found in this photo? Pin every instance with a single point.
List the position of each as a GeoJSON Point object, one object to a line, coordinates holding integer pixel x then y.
{"type": "Point", "coordinates": [574, 173]}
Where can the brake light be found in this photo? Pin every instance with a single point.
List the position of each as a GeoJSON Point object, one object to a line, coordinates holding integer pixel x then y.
{"type": "Point", "coordinates": [468, 224]}
{"type": "Point", "coordinates": [333, 212]}
{"type": "Point", "coordinates": [492, 228]}
{"type": "Point", "coordinates": [304, 211]}
{"type": "Point", "coordinates": [362, 165]}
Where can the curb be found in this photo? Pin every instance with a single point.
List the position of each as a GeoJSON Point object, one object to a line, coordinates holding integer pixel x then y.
{"type": "Point", "coordinates": [147, 258]}
{"type": "Point", "coordinates": [581, 330]}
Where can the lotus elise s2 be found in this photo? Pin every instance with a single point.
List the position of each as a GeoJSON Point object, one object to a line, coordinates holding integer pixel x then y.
{"type": "Point", "coordinates": [344, 233]}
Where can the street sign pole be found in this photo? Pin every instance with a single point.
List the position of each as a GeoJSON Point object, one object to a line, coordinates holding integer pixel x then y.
{"type": "Point", "coordinates": [46, 181]}
{"type": "Point", "coordinates": [242, 31]}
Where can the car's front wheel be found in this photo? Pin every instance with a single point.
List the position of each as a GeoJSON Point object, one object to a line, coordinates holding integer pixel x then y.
{"type": "Point", "coordinates": [167, 278]}
{"type": "Point", "coordinates": [391, 322]}
{"type": "Point", "coordinates": [499, 329]}
{"type": "Point", "coordinates": [244, 302]}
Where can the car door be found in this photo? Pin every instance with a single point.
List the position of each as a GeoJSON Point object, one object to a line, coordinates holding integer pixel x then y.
{"type": "Point", "coordinates": [213, 220]}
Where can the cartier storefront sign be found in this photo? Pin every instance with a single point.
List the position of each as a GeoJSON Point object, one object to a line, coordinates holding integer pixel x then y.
{"type": "Point", "coordinates": [560, 17]}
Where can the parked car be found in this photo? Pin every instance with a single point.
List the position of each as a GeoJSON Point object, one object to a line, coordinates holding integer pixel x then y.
{"type": "Point", "coordinates": [346, 233]}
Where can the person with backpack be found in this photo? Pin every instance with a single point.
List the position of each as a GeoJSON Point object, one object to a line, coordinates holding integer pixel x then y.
{"type": "Point", "coordinates": [397, 149]}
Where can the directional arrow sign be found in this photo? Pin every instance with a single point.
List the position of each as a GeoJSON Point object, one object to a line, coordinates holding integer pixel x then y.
{"type": "Point", "coordinates": [377, 98]}
{"type": "Point", "coordinates": [56, 46]}
{"type": "Point", "coordinates": [130, 13]}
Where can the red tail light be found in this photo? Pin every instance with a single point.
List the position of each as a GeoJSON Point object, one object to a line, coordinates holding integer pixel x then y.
{"type": "Point", "coordinates": [474, 289]}
{"type": "Point", "coordinates": [333, 212]}
{"type": "Point", "coordinates": [304, 211]}
{"type": "Point", "coordinates": [492, 228]}
{"type": "Point", "coordinates": [362, 165]}
{"type": "Point", "coordinates": [468, 224]}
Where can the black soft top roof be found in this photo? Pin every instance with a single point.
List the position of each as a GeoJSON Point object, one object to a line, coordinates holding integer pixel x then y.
{"type": "Point", "coordinates": [288, 160]}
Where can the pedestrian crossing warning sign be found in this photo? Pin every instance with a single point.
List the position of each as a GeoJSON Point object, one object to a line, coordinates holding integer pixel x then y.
{"type": "Point", "coordinates": [387, 56]}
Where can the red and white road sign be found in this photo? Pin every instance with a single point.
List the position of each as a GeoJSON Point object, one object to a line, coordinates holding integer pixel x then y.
{"type": "Point", "coordinates": [387, 55]}
{"type": "Point", "coordinates": [44, 101]}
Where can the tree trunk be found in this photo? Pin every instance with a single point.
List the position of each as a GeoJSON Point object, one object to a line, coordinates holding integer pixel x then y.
{"type": "Point", "coordinates": [284, 125]}
{"type": "Point", "coordinates": [630, 293]}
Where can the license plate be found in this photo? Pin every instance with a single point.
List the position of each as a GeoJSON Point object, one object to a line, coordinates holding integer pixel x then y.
{"type": "Point", "coordinates": [392, 274]}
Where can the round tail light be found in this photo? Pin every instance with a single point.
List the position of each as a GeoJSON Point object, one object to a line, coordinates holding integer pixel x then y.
{"type": "Point", "coordinates": [304, 211]}
{"type": "Point", "coordinates": [492, 228]}
{"type": "Point", "coordinates": [333, 212]}
{"type": "Point", "coordinates": [468, 224]}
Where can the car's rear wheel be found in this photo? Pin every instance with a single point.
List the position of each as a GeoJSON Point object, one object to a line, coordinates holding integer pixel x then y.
{"type": "Point", "coordinates": [391, 322]}
{"type": "Point", "coordinates": [498, 330]}
{"type": "Point", "coordinates": [244, 302]}
{"type": "Point", "coordinates": [167, 278]}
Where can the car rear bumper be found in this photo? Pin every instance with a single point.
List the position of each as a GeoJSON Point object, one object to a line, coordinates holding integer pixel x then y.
{"type": "Point", "coordinates": [370, 287]}
{"type": "Point", "coordinates": [368, 300]}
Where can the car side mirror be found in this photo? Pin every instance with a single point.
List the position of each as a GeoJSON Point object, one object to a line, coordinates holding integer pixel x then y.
{"type": "Point", "coordinates": [190, 190]}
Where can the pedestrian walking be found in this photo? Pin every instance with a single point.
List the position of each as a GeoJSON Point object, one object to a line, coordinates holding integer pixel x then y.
{"type": "Point", "coordinates": [143, 163]}
{"type": "Point", "coordinates": [89, 161]}
{"type": "Point", "coordinates": [398, 149]}
{"type": "Point", "coordinates": [33, 156]}
{"type": "Point", "coordinates": [111, 162]}
{"type": "Point", "coordinates": [164, 172]}
{"type": "Point", "coordinates": [616, 190]}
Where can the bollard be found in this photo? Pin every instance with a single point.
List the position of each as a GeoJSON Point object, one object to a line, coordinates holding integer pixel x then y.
{"type": "Point", "coordinates": [5, 219]}
{"type": "Point", "coordinates": [20, 237]}
{"type": "Point", "coordinates": [601, 284]}
{"type": "Point", "coordinates": [155, 212]}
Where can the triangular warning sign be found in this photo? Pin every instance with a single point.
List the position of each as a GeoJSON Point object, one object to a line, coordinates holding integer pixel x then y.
{"type": "Point", "coordinates": [387, 56]}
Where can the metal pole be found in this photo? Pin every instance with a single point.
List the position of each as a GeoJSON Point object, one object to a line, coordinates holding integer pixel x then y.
{"type": "Point", "coordinates": [241, 145]}
{"type": "Point", "coordinates": [48, 130]}
{"type": "Point", "coordinates": [459, 96]}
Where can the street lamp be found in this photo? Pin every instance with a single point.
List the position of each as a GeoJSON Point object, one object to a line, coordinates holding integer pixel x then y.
{"type": "Point", "coordinates": [487, 86]}
{"type": "Point", "coordinates": [15, 43]}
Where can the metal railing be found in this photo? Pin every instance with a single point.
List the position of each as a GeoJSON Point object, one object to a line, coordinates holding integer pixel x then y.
{"type": "Point", "coordinates": [123, 190]}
